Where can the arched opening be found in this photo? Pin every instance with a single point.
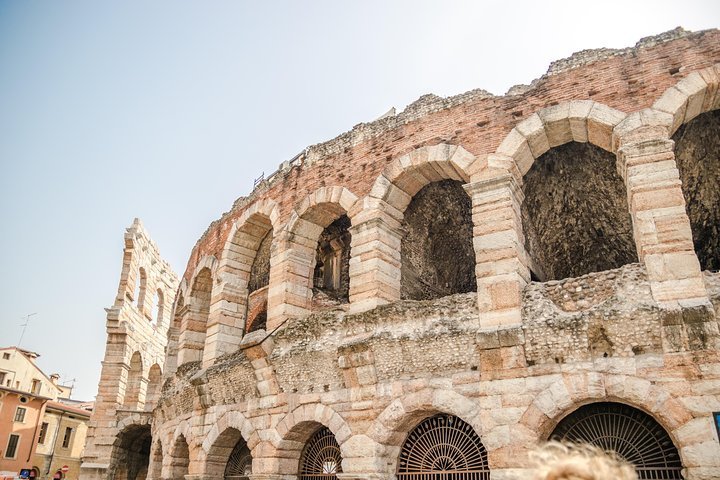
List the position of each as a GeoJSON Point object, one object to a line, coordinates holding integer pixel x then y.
{"type": "Point", "coordinates": [697, 153]}
{"type": "Point", "coordinates": [131, 454]}
{"type": "Point", "coordinates": [632, 434]}
{"type": "Point", "coordinates": [195, 318]}
{"type": "Point", "coordinates": [331, 275]}
{"type": "Point", "coordinates": [153, 388]}
{"type": "Point", "coordinates": [156, 463]}
{"type": "Point", "coordinates": [180, 458]}
{"type": "Point", "coordinates": [321, 458]}
{"type": "Point", "coordinates": [443, 447]}
{"type": "Point", "coordinates": [229, 457]}
{"type": "Point", "coordinates": [257, 320]}
{"type": "Point", "coordinates": [437, 252]}
{"type": "Point", "coordinates": [134, 380]}
{"type": "Point", "coordinates": [260, 270]}
{"type": "Point", "coordinates": [575, 214]}
{"type": "Point", "coordinates": [140, 289]}
{"type": "Point", "coordinates": [158, 307]}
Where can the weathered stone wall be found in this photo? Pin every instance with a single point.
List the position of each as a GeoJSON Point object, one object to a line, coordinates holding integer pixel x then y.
{"type": "Point", "coordinates": [512, 358]}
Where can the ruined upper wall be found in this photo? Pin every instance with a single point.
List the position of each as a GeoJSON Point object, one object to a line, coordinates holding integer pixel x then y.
{"type": "Point", "coordinates": [627, 80]}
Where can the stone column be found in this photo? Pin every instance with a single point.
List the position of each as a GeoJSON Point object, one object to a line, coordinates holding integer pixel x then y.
{"type": "Point", "coordinates": [226, 321]}
{"type": "Point", "coordinates": [375, 257]}
{"type": "Point", "coordinates": [192, 335]}
{"type": "Point", "coordinates": [660, 223]}
{"type": "Point", "coordinates": [501, 261]}
{"type": "Point", "coordinates": [291, 272]}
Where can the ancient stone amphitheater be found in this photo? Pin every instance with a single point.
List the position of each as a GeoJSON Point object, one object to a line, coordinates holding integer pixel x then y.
{"type": "Point", "coordinates": [430, 295]}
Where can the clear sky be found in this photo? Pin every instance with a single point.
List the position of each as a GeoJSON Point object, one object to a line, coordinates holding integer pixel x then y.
{"type": "Point", "coordinates": [167, 111]}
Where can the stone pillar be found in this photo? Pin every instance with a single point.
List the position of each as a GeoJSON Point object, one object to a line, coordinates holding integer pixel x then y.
{"type": "Point", "coordinates": [660, 223]}
{"type": "Point", "coordinates": [258, 347]}
{"type": "Point", "coordinates": [375, 257]}
{"type": "Point", "coordinates": [192, 335]}
{"type": "Point", "coordinates": [501, 261]}
{"type": "Point", "coordinates": [226, 321]}
{"type": "Point", "coordinates": [291, 273]}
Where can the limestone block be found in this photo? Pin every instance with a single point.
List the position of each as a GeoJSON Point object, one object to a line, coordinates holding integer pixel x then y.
{"type": "Point", "coordinates": [514, 146]}
{"type": "Point", "coordinates": [711, 76]}
{"type": "Point", "coordinates": [674, 102]}
{"type": "Point", "coordinates": [557, 124]}
{"type": "Point", "coordinates": [694, 87]}
{"type": "Point", "coordinates": [703, 454]}
{"type": "Point", "coordinates": [600, 122]}
{"type": "Point", "coordinates": [533, 129]}
{"type": "Point", "coordinates": [578, 112]}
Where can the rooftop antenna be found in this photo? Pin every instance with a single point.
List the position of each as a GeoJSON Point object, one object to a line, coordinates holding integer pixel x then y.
{"type": "Point", "coordinates": [24, 325]}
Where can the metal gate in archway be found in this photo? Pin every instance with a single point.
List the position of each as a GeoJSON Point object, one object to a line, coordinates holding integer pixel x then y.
{"type": "Point", "coordinates": [321, 459]}
{"type": "Point", "coordinates": [443, 447]}
{"type": "Point", "coordinates": [239, 465]}
{"type": "Point", "coordinates": [627, 431]}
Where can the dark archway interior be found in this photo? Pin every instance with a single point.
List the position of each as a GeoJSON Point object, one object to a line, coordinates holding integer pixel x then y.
{"type": "Point", "coordinates": [131, 455]}
{"type": "Point", "coordinates": [697, 152]}
{"type": "Point", "coordinates": [438, 258]}
{"type": "Point", "coordinates": [631, 433]}
{"type": "Point", "coordinates": [259, 322]}
{"type": "Point", "coordinates": [332, 261]}
{"type": "Point", "coordinates": [575, 214]}
{"type": "Point", "coordinates": [260, 271]}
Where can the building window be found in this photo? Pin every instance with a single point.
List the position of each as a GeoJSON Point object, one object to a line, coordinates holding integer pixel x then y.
{"type": "Point", "coordinates": [20, 414]}
{"type": "Point", "coordinates": [6, 356]}
{"type": "Point", "coordinates": [43, 433]}
{"type": "Point", "coordinates": [2, 378]}
{"type": "Point", "coordinates": [35, 389]}
{"type": "Point", "coordinates": [66, 439]}
{"type": "Point", "coordinates": [13, 442]}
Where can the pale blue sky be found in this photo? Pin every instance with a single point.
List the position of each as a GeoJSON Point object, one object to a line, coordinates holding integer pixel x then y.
{"type": "Point", "coordinates": [167, 110]}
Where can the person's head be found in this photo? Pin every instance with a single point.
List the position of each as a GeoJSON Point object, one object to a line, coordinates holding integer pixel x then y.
{"type": "Point", "coordinates": [567, 461]}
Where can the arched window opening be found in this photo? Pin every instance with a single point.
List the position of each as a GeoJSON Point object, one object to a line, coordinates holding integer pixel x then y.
{"type": "Point", "coordinates": [575, 214]}
{"type": "Point", "coordinates": [632, 434]}
{"type": "Point", "coordinates": [229, 457]}
{"type": "Point", "coordinates": [131, 454]}
{"type": "Point", "coordinates": [321, 458]}
{"type": "Point", "coordinates": [239, 464]}
{"type": "Point", "coordinates": [140, 289]}
{"type": "Point", "coordinates": [153, 388]}
{"type": "Point", "coordinates": [443, 447]}
{"type": "Point", "coordinates": [331, 277]}
{"type": "Point", "coordinates": [697, 152]}
{"type": "Point", "coordinates": [260, 270]}
{"type": "Point", "coordinates": [134, 380]}
{"type": "Point", "coordinates": [158, 307]}
{"type": "Point", "coordinates": [438, 258]}
{"type": "Point", "coordinates": [180, 458]}
{"type": "Point", "coordinates": [258, 321]}
{"type": "Point", "coordinates": [195, 318]}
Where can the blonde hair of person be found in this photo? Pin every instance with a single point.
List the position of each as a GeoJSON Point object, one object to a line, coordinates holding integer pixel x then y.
{"type": "Point", "coordinates": [568, 461]}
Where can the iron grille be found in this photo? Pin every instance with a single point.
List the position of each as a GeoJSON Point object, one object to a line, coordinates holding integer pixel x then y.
{"type": "Point", "coordinates": [239, 465]}
{"type": "Point", "coordinates": [443, 447]}
{"type": "Point", "coordinates": [627, 431]}
{"type": "Point", "coordinates": [321, 459]}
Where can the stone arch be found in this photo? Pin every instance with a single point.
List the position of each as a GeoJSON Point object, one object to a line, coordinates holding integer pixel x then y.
{"type": "Point", "coordinates": [582, 121]}
{"type": "Point", "coordinates": [693, 105]}
{"type": "Point", "coordinates": [375, 267]}
{"type": "Point", "coordinates": [153, 387]}
{"type": "Point", "coordinates": [223, 437]}
{"type": "Point", "coordinates": [178, 464]}
{"type": "Point", "coordinates": [291, 272]}
{"type": "Point", "coordinates": [133, 386]}
{"type": "Point", "coordinates": [695, 94]}
{"type": "Point", "coordinates": [597, 233]}
{"type": "Point", "coordinates": [130, 454]}
{"type": "Point", "coordinates": [242, 277]}
{"type": "Point", "coordinates": [281, 454]}
{"type": "Point", "coordinates": [393, 425]}
{"type": "Point", "coordinates": [196, 314]}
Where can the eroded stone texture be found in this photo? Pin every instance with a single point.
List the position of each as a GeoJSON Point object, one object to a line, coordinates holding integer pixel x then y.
{"type": "Point", "coordinates": [260, 272]}
{"type": "Point", "coordinates": [437, 252]}
{"type": "Point", "coordinates": [131, 455]}
{"type": "Point", "coordinates": [575, 214]}
{"type": "Point", "coordinates": [697, 152]}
